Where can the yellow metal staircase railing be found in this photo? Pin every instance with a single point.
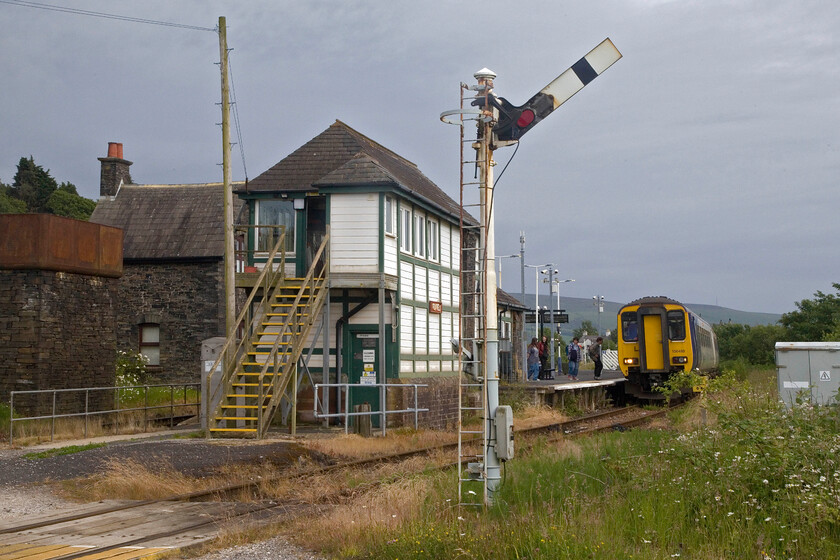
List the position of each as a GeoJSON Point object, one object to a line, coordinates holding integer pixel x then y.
{"type": "Point", "coordinates": [257, 371]}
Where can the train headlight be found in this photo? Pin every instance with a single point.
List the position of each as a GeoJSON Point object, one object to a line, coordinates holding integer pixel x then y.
{"type": "Point", "coordinates": [631, 361]}
{"type": "Point", "coordinates": [679, 360]}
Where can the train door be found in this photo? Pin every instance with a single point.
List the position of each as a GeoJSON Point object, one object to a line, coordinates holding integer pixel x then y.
{"type": "Point", "coordinates": [654, 344]}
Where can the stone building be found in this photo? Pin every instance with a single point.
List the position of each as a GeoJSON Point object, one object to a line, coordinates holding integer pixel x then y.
{"type": "Point", "coordinates": [171, 295]}
{"type": "Point", "coordinates": [58, 306]}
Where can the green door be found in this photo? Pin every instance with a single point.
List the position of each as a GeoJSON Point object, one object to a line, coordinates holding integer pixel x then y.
{"type": "Point", "coordinates": [364, 363]}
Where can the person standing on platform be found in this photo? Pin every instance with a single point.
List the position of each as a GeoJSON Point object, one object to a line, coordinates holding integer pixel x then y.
{"type": "Point", "coordinates": [533, 360]}
{"type": "Point", "coordinates": [595, 354]}
{"type": "Point", "coordinates": [573, 355]}
{"type": "Point", "coordinates": [544, 358]}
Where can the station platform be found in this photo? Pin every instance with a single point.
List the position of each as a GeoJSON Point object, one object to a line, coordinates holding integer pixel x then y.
{"type": "Point", "coordinates": [587, 393]}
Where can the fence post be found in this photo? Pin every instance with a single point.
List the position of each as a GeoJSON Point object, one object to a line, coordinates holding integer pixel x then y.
{"type": "Point", "coordinates": [87, 409]}
{"type": "Point", "coordinates": [416, 412]}
{"type": "Point", "coordinates": [346, 409]}
{"type": "Point", "coordinates": [52, 430]}
{"type": "Point", "coordinates": [172, 406]}
{"type": "Point", "coordinates": [11, 418]}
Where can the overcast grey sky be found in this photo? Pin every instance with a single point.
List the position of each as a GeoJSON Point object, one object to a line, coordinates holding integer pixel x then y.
{"type": "Point", "coordinates": [702, 166]}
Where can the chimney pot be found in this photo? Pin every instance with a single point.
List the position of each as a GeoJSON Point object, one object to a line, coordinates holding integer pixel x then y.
{"type": "Point", "coordinates": [114, 170]}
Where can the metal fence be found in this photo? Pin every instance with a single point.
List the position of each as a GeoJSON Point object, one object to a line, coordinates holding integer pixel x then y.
{"type": "Point", "coordinates": [130, 394]}
{"type": "Point", "coordinates": [346, 414]}
{"type": "Point", "coordinates": [610, 359]}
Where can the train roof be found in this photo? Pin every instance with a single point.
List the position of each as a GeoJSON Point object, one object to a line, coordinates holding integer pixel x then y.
{"type": "Point", "coordinates": [654, 299]}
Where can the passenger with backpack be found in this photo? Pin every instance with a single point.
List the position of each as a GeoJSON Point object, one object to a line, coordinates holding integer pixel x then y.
{"type": "Point", "coordinates": [573, 355]}
{"type": "Point", "coordinates": [595, 354]}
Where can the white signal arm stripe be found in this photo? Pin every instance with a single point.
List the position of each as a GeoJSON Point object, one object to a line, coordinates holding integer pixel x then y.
{"type": "Point", "coordinates": [573, 80]}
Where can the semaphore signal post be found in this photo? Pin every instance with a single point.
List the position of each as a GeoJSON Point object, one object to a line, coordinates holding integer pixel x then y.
{"type": "Point", "coordinates": [498, 124]}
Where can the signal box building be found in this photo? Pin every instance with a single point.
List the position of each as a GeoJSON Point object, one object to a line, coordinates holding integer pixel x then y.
{"type": "Point", "coordinates": [394, 265]}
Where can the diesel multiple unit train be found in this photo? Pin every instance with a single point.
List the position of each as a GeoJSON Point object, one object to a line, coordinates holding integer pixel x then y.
{"type": "Point", "coordinates": [658, 336]}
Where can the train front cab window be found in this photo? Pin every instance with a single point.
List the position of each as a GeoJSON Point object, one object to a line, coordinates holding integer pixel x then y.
{"type": "Point", "coordinates": [629, 326]}
{"type": "Point", "coordinates": [676, 325]}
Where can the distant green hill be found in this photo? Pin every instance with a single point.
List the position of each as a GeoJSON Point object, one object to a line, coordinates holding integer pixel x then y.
{"type": "Point", "coordinates": [580, 310]}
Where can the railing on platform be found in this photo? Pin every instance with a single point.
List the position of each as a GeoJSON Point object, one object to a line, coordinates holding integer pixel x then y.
{"type": "Point", "coordinates": [129, 395]}
{"type": "Point", "coordinates": [346, 414]}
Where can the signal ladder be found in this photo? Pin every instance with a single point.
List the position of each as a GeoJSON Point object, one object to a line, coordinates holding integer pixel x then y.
{"type": "Point", "coordinates": [472, 389]}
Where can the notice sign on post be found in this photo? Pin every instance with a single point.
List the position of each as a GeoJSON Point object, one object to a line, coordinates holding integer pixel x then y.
{"type": "Point", "coordinates": [368, 378]}
{"type": "Point", "coordinates": [368, 355]}
{"type": "Point", "coordinates": [825, 375]}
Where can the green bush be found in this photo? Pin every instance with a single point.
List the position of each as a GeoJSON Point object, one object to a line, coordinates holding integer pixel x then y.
{"type": "Point", "coordinates": [131, 371]}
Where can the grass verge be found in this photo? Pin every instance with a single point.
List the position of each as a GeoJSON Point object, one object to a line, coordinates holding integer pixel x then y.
{"type": "Point", "coordinates": [68, 450]}
{"type": "Point", "coordinates": [754, 481]}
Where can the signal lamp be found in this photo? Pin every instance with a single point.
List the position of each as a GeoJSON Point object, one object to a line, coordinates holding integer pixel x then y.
{"type": "Point", "coordinates": [631, 361]}
{"type": "Point", "coordinates": [679, 360]}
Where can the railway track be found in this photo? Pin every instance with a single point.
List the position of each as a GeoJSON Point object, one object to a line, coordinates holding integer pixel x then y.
{"type": "Point", "coordinates": [140, 529]}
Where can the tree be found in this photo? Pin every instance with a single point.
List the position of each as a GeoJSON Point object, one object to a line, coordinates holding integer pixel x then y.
{"type": "Point", "coordinates": [813, 319]}
{"type": "Point", "coordinates": [754, 344]}
{"type": "Point", "coordinates": [8, 203]}
{"type": "Point", "coordinates": [65, 202]}
{"type": "Point", "coordinates": [33, 185]}
{"type": "Point", "coordinates": [34, 190]}
{"type": "Point", "coordinates": [585, 327]}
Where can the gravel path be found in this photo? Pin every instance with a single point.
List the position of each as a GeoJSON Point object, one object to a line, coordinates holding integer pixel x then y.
{"type": "Point", "coordinates": [23, 495]}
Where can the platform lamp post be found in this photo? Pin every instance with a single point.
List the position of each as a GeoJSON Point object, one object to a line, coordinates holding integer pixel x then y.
{"type": "Point", "coordinates": [598, 301]}
{"type": "Point", "coordinates": [498, 257]}
{"type": "Point", "coordinates": [550, 272]}
{"type": "Point", "coordinates": [555, 287]}
{"type": "Point", "coordinates": [536, 268]}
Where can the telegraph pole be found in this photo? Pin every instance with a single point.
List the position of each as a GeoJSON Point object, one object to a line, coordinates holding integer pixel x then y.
{"type": "Point", "coordinates": [230, 282]}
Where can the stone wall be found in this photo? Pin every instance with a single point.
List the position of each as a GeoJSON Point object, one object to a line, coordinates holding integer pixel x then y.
{"type": "Point", "coordinates": [440, 397]}
{"type": "Point", "coordinates": [56, 332]}
{"type": "Point", "coordinates": [186, 300]}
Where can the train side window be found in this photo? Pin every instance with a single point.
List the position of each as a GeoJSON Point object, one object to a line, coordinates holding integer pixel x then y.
{"type": "Point", "coordinates": [629, 326]}
{"type": "Point", "coordinates": [676, 325]}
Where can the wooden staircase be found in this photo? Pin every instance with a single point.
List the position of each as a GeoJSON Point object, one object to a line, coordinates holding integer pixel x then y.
{"type": "Point", "coordinates": [262, 365]}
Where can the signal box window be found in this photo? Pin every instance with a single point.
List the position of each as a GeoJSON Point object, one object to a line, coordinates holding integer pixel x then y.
{"type": "Point", "coordinates": [420, 236]}
{"type": "Point", "coordinates": [676, 325]}
{"type": "Point", "coordinates": [275, 213]}
{"type": "Point", "coordinates": [390, 216]}
{"type": "Point", "coordinates": [629, 326]}
{"type": "Point", "coordinates": [432, 229]}
{"type": "Point", "coordinates": [150, 343]}
{"type": "Point", "coordinates": [405, 227]}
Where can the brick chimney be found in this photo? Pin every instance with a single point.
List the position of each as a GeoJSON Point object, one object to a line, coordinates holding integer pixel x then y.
{"type": "Point", "coordinates": [114, 170]}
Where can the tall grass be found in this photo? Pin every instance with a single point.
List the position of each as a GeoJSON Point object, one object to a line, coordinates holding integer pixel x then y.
{"type": "Point", "coordinates": [756, 481]}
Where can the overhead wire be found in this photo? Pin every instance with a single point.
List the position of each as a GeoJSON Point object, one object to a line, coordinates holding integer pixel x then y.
{"type": "Point", "coordinates": [236, 119]}
{"type": "Point", "coordinates": [132, 19]}
{"type": "Point", "coordinates": [91, 13]}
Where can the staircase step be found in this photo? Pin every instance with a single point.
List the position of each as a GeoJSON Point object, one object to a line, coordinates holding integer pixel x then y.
{"type": "Point", "coordinates": [241, 406]}
{"type": "Point", "coordinates": [251, 430]}
{"type": "Point", "coordinates": [265, 385]}
{"type": "Point", "coordinates": [247, 396]}
{"type": "Point", "coordinates": [252, 418]}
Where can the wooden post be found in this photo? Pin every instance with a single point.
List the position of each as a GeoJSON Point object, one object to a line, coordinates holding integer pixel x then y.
{"type": "Point", "coordinates": [230, 286]}
{"type": "Point", "coordinates": [362, 424]}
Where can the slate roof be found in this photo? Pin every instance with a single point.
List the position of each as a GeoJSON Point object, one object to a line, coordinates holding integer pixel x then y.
{"type": "Point", "coordinates": [504, 298]}
{"type": "Point", "coordinates": [168, 221]}
{"type": "Point", "coordinates": [343, 157]}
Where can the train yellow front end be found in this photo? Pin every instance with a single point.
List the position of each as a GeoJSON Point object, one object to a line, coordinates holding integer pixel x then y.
{"type": "Point", "coordinates": [658, 336]}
